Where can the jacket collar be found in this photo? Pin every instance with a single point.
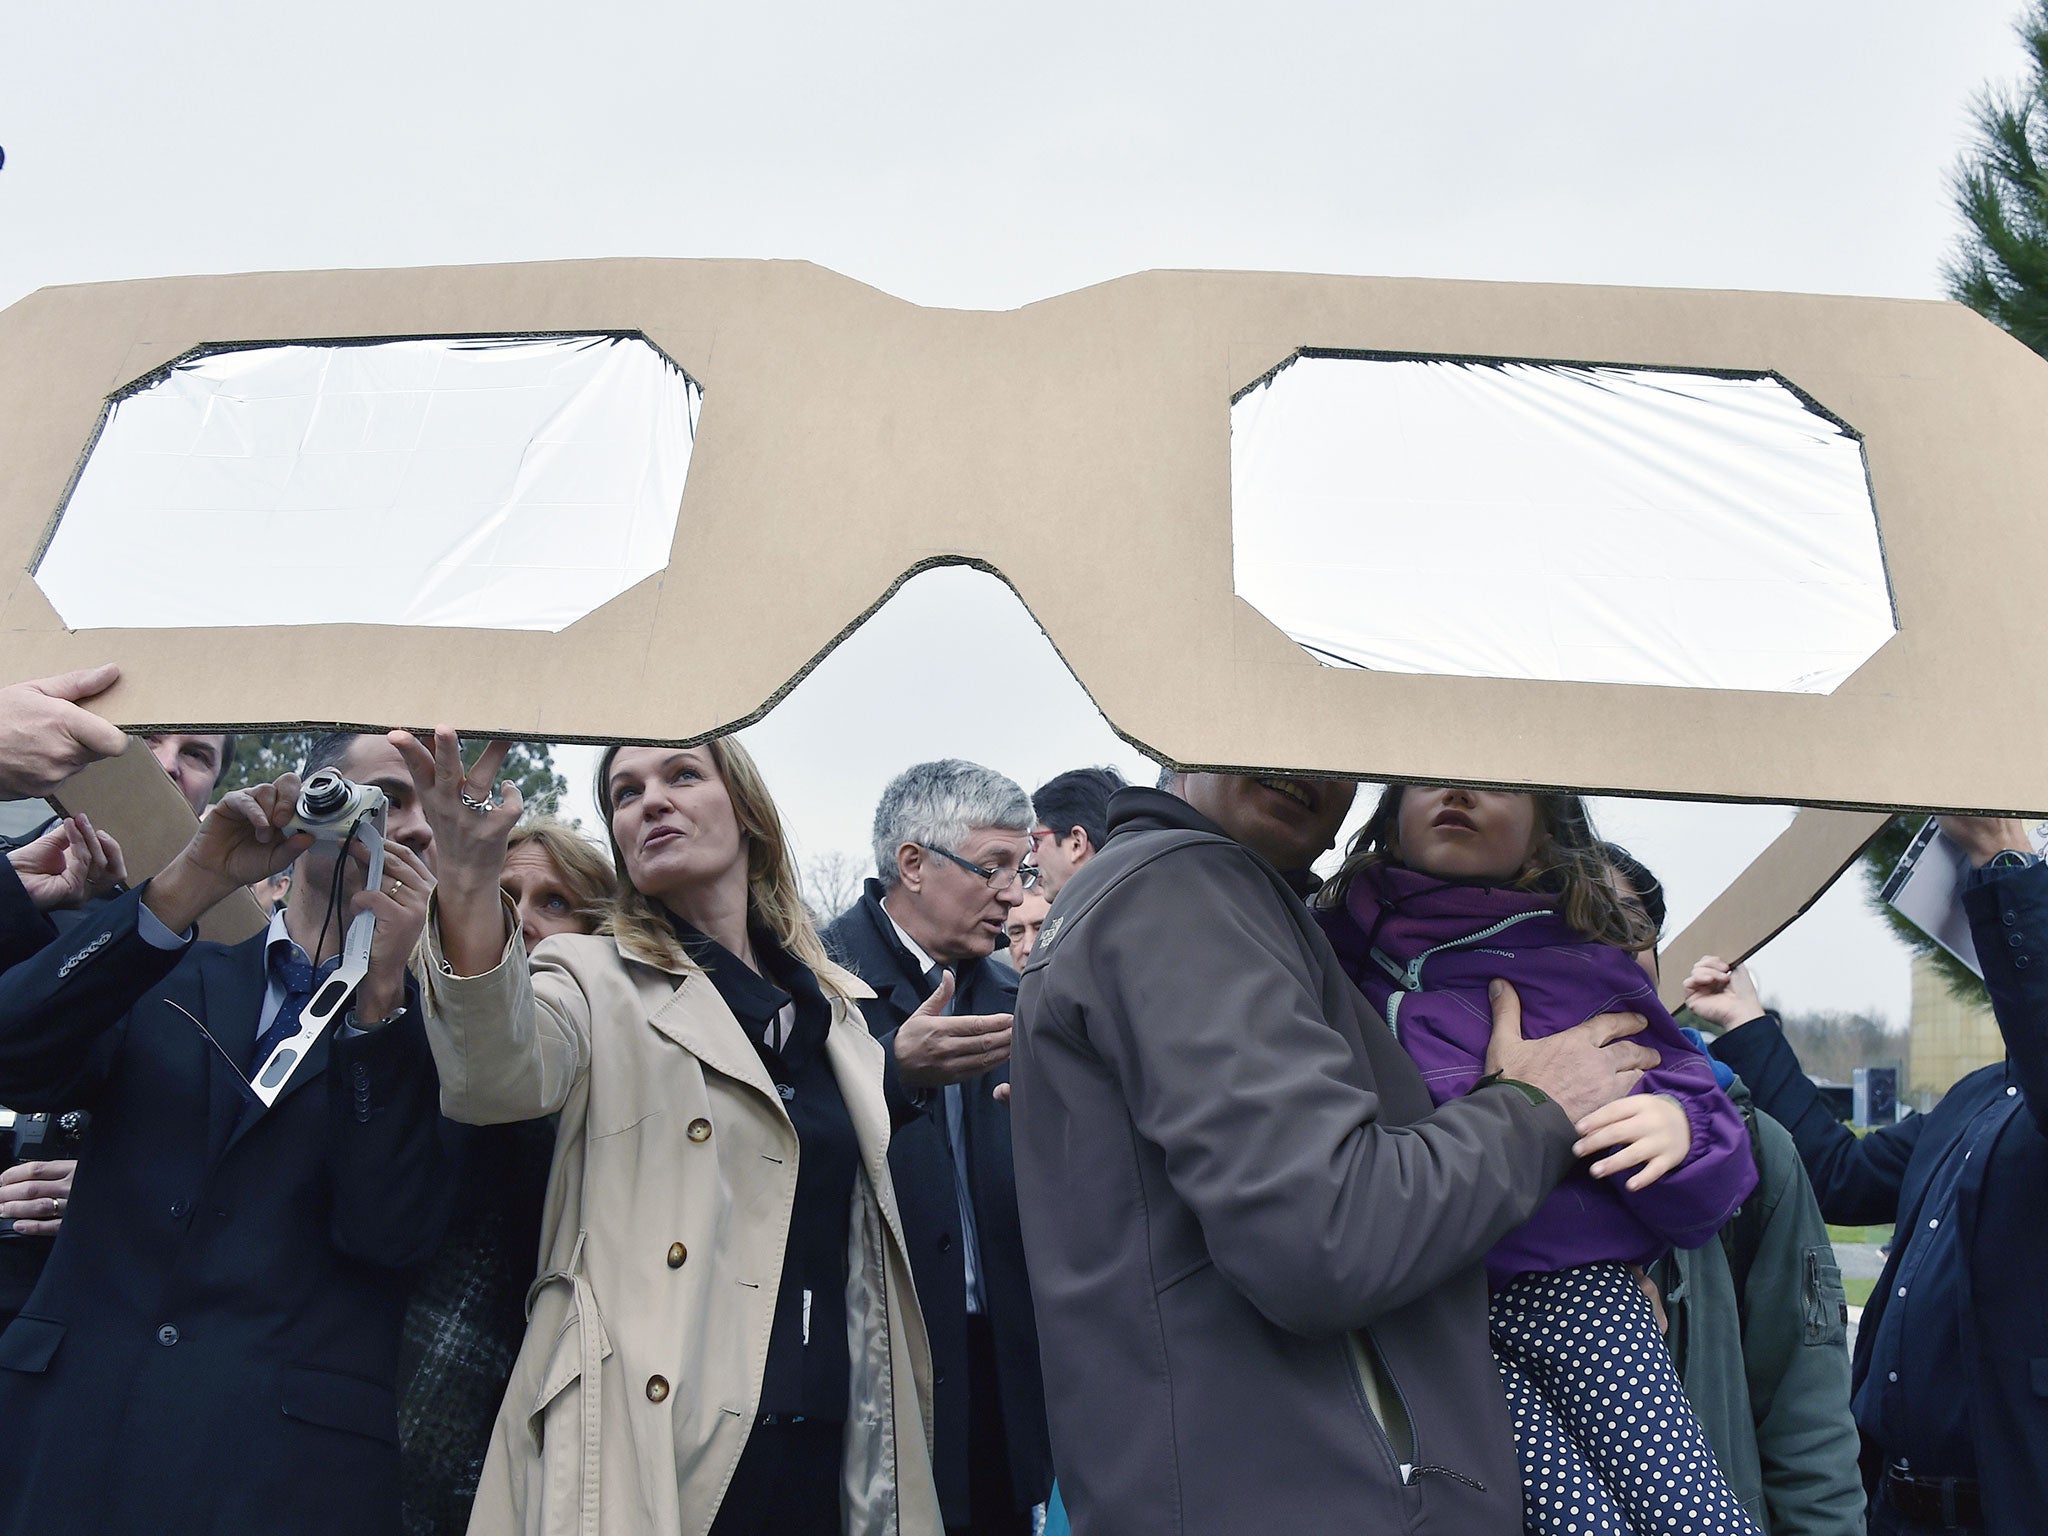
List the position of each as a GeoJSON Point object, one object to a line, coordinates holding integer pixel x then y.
{"type": "Point", "coordinates": [1135, 808]}
{"type": "Point", "coordinates": [833, 978]}
{"type": "Point", "coordinates": [1403, 912]}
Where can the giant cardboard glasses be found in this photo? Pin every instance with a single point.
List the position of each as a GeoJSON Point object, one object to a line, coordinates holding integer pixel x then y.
{"type": "Point", "coordinates": [1716, 545]}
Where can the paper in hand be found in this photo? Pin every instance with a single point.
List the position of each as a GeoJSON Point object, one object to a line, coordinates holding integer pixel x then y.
{"type": "Point", "coordinates": [1927, 888]}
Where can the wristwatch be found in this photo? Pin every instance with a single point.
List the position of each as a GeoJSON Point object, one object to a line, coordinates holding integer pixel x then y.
{"type": "Point", "coordinates": [374, 1025]}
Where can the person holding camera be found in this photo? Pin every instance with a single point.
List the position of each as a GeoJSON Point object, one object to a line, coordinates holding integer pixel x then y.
{"type": "Point", "coordinates": [213, 1344]}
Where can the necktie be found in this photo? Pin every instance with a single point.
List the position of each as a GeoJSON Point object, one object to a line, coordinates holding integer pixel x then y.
{"type": "Point", "coordinates": [290, 970]}
{"type": "Point", "coordinates": [954, 1105]}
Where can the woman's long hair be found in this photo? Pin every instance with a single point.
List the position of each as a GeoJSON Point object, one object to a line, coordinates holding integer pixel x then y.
{"type": "Point", "coordinates": [1569, 861]}
{"type": "Point", "coordinates": [774, 891]}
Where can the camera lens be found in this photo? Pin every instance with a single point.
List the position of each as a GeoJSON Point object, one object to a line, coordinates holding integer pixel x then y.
{"type": "Point", "coordinates": [324, 795]}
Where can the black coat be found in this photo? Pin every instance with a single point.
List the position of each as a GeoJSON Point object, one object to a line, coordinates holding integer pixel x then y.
{"type": "Point", "coordinates": [1885, 1176]}
{"type": "Point", "coordinates": [213, 1345]}
{"type": "Point", "coordinates": [921, 1163]}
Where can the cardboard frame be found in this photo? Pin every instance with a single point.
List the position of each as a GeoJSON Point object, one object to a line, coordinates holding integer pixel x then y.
{"type": "Point", "coordinates": [850, 439]}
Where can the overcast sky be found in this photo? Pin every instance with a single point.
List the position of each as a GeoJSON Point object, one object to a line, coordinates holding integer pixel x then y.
{"type": "Point", "coordinates": [988, 156]}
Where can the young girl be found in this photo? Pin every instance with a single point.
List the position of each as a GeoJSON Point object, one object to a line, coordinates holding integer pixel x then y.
{"type": "Point", "coordinates": [1443, 891]}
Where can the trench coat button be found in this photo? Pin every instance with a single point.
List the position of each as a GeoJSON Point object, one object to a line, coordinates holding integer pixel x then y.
{"type": "Point", "coordinates": [657, 1389]}
{"type": "Point", "coordinates": [676, 1254]}
{"type": "Point", "coordinates": [945, 1242]}
{"type": "Point", "coordinates": [700, 1130]}
{"type": "Point", "coordinates": [178, 1209]}
{"type": "Point", "coordinates": [167, 1335]}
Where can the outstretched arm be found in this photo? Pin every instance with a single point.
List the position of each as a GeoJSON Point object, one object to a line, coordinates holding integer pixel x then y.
{"type": "Point", "coordinates": [1856, 1181]}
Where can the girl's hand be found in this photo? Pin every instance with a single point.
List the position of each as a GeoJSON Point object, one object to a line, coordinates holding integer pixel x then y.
{"type": "Point", "coordinates": [1649, 1131]}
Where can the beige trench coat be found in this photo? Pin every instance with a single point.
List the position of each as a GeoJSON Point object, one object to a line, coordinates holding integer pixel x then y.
{"type": "Point", "coordinates": [661, 1247]}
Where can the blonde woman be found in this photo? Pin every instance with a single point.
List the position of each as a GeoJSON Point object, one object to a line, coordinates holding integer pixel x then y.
{"type": "Point", "coordinates": [725, 1336]}
{"type": "Point", "coordinates": [557, 880]}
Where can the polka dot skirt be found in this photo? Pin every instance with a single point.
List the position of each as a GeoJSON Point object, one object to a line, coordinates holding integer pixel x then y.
{"type": "Point", "coordinates": [1607, 1442]}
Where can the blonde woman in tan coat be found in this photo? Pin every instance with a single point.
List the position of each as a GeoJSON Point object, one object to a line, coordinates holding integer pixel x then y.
{"type": "Point", "coordinates": [724, 1339]}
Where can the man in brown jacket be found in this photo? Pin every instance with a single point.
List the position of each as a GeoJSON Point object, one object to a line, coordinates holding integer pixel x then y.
{"type": "Point", "coordinates": [1254, 1245]}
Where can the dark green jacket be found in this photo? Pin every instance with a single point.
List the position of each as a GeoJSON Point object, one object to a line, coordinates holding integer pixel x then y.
{"type": "Point", "coordinates": [1758, 1327]}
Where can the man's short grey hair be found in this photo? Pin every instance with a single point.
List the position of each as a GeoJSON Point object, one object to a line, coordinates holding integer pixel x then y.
{"type": "Point", "coordinates": [939, 804]}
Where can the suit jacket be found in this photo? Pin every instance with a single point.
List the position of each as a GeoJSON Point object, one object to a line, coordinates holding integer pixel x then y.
{"type": "Point", "coordinates": [920, 1159]}
{"type": "Point", "coordinates": [1885, 1176]}
{"type": "Point", "coordinates": [213, 1343]}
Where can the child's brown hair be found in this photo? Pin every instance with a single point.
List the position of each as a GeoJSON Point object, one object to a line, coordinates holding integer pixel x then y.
{"type": "Point", "coordinates": [1568, 861]}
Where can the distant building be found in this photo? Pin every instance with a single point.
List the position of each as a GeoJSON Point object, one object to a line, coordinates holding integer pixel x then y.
{"type": "Point", "coordinates": [1950, 1038]}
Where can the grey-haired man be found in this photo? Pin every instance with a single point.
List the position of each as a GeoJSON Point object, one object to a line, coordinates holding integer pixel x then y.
{"type": "Point", "coordinates": [950, 841]}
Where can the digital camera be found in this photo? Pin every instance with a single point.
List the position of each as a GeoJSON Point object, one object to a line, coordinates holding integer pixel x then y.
{"type": "Point", "coordinates": [332, 810]}
{"type": "Point", "coordinates": [46, 1136]}
{"type": "Point", "coordinates": [331, 807]}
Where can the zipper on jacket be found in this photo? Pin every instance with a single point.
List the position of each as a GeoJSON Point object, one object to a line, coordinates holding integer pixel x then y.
{"type": "Point", "coordinates": [1365, 1355]}
{"type": "Point", "coordinates": [1410, 1474]}
{"type": "Point", "coordinates": [1411, 979]}
{"type": "Point", "coordinates": [1381, 1396]}
{"type": "Point", "coordinates": [1393, 1010]}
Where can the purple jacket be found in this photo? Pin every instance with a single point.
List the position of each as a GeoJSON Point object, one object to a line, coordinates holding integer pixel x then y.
{"type": "Point", "coordinates": [1434, 948]}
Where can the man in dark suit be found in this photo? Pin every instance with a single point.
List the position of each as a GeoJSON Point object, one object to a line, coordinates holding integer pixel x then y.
{"type": "Point", "coordinates": [1951, 1368]}
{"type": "Point", "coordinates": [950, 842]}
{"type": "Point", "coordinates": [212, 1345]}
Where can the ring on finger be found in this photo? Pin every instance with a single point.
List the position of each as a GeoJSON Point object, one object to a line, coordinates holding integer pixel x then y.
{"type": "Point", "coordinates": [482, 806]}
{"type": "Point", "coordinates": [396, 888]}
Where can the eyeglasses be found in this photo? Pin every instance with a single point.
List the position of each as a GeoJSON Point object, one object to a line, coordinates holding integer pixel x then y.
{"type": "Point", "coordinates": [997, 877]}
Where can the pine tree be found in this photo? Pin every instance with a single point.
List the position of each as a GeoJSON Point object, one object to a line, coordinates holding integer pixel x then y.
{"type": "Point", "coordinates": [2000, 268]}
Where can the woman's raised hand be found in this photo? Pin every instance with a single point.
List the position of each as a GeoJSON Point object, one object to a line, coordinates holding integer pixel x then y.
{"type": "Point", "coordinates": [472, 824]}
